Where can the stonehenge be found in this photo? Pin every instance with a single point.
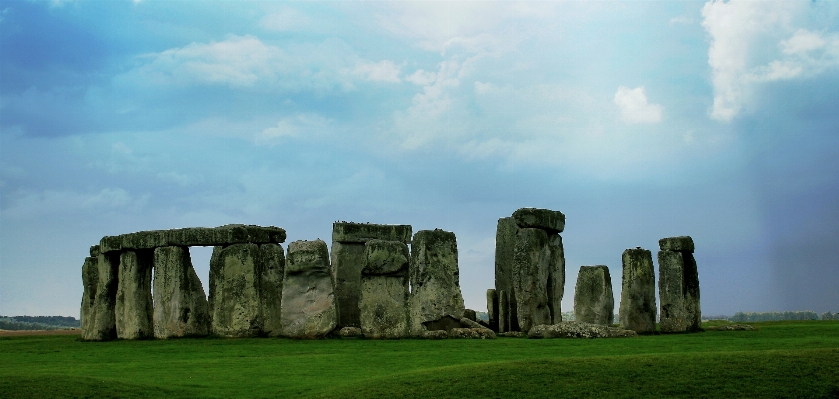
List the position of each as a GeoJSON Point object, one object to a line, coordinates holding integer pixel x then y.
{"type": "Point", "coordinates": [593, 299]}
{"type": "Point", "coordinates": [678, 286]}
{"type": "Point", "coordinates": [308, 300]}
{"type": "Point", "coordinates": [133, 305]}
{"type": "Point", "coordinates": [384, 289]}
{"type": "Point", "coordinates": [435, 281]}
{"type": "Point", "coordinates": [235, 282]}
{"type": "Point", "coordinates": [181, 308]}
{"type": "Point", "coordinates": [637, 308]}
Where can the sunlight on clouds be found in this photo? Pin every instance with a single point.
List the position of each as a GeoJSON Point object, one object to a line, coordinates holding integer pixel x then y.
{"type": "Point", "coordinates": [382, 71]}
{"type": "Point", "coordinates": [285, 20]}
{"type": "Point", "coordinates": [634, 106]}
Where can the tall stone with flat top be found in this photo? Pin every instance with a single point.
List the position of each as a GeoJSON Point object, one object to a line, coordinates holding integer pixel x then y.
{"type": "Point", "coordinates": [505, 246]}
{"type": "Point", "coordinates": [99, 275]}
{"type": "Point", "coordinates": [593, 299]}
{"type": "Point", "coordinates": [678, 286]}
{"type": "Point", "coordinates": [134, 300]}
{"type": "Point", "coordinates": [435, 280]}
{"type": "Point", "coordinates": [308, 302]}
{"type": "Point", "coordinates": [637, 309]}
{"type": "Point", "coordinates": [235, 299]}
{"type": "Point", "coordinates": [383, 301]}
{"type": "Point", "coordinates": [180, 306]}
{"type": "Point", "coordinates": [272, 288]}
{"type": "Point", "coordinates": [530, 267]}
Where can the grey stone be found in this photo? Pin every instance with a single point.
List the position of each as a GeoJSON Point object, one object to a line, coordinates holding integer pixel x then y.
{"type": "Point", "coordinates": [681, 243]}
{"type": "Point", "coordinates": [503, 312]}
{"type": "Point", "coordinates": [94, 251]}
{"type": "Point", "coordinates": [492, 309]}
{"type": "Point", "coordinates": [308, 303]}
{"type": "Point", "coordinates": [505, 247]}
{"type": "Point", "coordinates": [384, 290]}
{"type": "Point", "coordinates": [444, 323]}
{"type": "Point", "coordinates": [363, 232]}
{"type": "Point", "coordinates": [471, 315]}
{"type": "Point", "coordinates": [556, 277]}
{"type": "Point", "coordinates": [235, 300]}
{"type": "Point", "coordinates": [545, 219]}
{"type": "Point", "coordinates": [435, 278]}
{"type": "Point", "coordinates": [574, 329]}
{"type": "Point", "coordinates": [678, 291]}
{"type": "Point", "coordinates": [101, 323]}
{"type": "Point", "coordinates": [531, 263]}
{"type": "Point", "coordinates": [180, 306]}
{"type": "Point", "coordinates": [512, 334]}
{"type": "Point", "coordinates": [594, 301]}
{"type": "Point", "coordinates": [347, 262]}
{"type": "Point", "coordinates": [638, 308]}
{"type": "Point", "coordinates": [434, 334]}
{"type": "Point", "coordinates": [473, 333]}
{"type": "Point", "coordinates": [272, 289]}
{"type": "Point", "coordinates": [732, 327]}
{"type": "Point", "coordinates": [349, 332]}
{"type": "Point", "coordinates": [194, 236]}
{"type": "Point", "coordinates": [134, 301]}
{"type": "Point", "coordinates": [90, 281]}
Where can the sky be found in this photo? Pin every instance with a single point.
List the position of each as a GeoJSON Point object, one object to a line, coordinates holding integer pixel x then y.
{"type": "Point", "coordinates": [637, 120]}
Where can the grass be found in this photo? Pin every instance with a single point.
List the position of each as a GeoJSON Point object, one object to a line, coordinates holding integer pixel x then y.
{"type": "Point", "coordinates": [780, 359]}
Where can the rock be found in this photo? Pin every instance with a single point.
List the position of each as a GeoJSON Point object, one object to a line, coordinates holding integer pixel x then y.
{"type": "Point", "coordinates": [363, 232]}
{"type": "Point", "coordinates": [732, 327]}
{"type": "Point", "coordinates": [235, 281]}
{"type": "Point", "coordinates": [682, 243]}
{"type": "Point", "coordinates": [272, 289]}
{"type": "Point", "coordinates": [503, 312]}
{"type": "Point", "coordinates": [474, 333]}
{"type": "Point", "coordinates": [349, 332]}
{"type": "Point", "coordinates": [512, 334]}
{"type": "Point", "coordinates": [101, 323]}
{"type": "Point", "coordinates": [194, 236]}
{"type": "Point", "coordinates": [531, 263]}
{"type": "Point", "coordinates": [678, 290]}
{"type": "Point", "coordinates": [94, 251]}
{"type": "Point", "coordinates": [637, 308]}
{"type": "Point", "coordinates": [133, 307]}
{"type": "Point", "coordinates": [556, 277]}
{"type": "Point", "coordinates": [545, 219]}
{"type": "Point", "coordinates": [445, 323]}
{"type": "Point", "coordinates": [308, 303]}
{"type": "Point", "coordinates": [470, 314]}
{"type": "Point", "coordinates": [347, 262]}
{"type": "Point", "coordinates": [383, 302]}
{"type": "Point", "coordinates": [492, 309]}
{"type": "Point", "coordinates": [435, 334]}
{"type": "Point", "coordinates": [505, 247]}
{"type": "Point", "coordinates": [593, 299]}
{"type": "Point", "coordinates": [435, 279]}
{"type": "Point", "coordinates": [180, 306]}
{"type": "Point", "coordinates": [90, 281]}
{"type": "Point", "coordinates": [574, 329]}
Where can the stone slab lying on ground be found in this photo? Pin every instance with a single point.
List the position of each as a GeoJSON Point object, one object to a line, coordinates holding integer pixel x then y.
{"type": "Point", "coordinates": [349, 332]}
{"type": "Point", "coordinates": [180, 306]}
{"type": "Point", "coordinates": [681, 243]}
{"type": "Point", "coordinates": [194, 236]}
{"type": "Point", "coordinates": [545, 219]}
{"type": "Point", "coordinates": [363, 232]}
{"type": "Point", "coordinates": [308, 304]}
{"type": "Point", "coordinates": [573, 329]}
{"type": "Point", "coordinates": [473, 333]}
{"type": "Point", "coordinates": [594, 301]}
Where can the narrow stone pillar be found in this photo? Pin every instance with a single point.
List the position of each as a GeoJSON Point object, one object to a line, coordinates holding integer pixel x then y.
{"type": "Point", "coordinates": [505, 246]}
{"type": "Point", "coordinates": [637, 308]}
{"type": "Point", "coordinates": [383, 301]}
{"type": "Point", "coordinates": [556, 277]}
{"type": "Point", "coordinates": [102, 316]}
{"type": "Point", "coordinates": [134, 300]}
{"type": "Point", "coordinates": [90, 281]}
{"type": "Point", "coordinates": [530, 267]}
{"type": "Point", "coordinates": [180, 306]}
{"type": "Point", "coordinates": [308, 301]}
{"type": "Point", "coordinates": [678, 286]}
{"type": "Point", "coordinates": [235, 300]}
{"type": "Point", "coordinates": [492, 309]}
{"type": "Point", "coordinates": [272, 289]}
{"type": "Point", "coordinates": [503, 312]}
{"type": "Point", "coordinates": [435, 279]}
{"type": "Point", "coordinates": [347, 262]}
{"type": "Point", "coordinates": [593, 299]}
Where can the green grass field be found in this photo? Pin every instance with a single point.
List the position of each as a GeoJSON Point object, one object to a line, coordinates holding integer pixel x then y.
{"type": "Point", "coordinates": [781, 359]}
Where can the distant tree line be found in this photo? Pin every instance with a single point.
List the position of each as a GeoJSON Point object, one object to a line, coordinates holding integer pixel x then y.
{"type": "Point", "coordinates": [746, 317]}
{"type": "Point", "coordinates": [38, 323]}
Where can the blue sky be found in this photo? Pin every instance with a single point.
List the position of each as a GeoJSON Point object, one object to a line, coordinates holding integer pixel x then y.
{"type": "Point", "coordinates": [638, 120]}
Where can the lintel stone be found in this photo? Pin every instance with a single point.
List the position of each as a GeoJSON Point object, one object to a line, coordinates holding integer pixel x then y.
{"type": "Point", "coordinates": [681, 243]}
{"type": "Point", "coordinates": [363, 232]}
{"type": "Point", "coordinates": [545, 219]}
{"type": "Point", "coordinates": [194, 236]}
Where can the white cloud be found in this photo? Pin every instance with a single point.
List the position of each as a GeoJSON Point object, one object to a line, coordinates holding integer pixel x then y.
{"type": "Point", "coordinates": [290, 127]}
{"type": "Point", "coordinates": [634, 106]}
{"type": "Point", "coordinates": [483, 88]}
{"type": "Point", "coordinates": [26, 204]}
{"type": "Point", "coordinates": [382, 71]}
{"type": "Point", "coordinates": [422, 78]}
{"type": "Point", "coordinates": [285, 20]}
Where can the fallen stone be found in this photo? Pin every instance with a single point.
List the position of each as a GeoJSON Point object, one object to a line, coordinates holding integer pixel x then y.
{"type": "Point", "coordinates": [594, 301]}
{"type": "Point", "coordinates": [470, 314]}
{"type": "Point", "coordinates": [492, 309]}
{"type": "Point", "coordinates": [435, 334]}
{"type": "Point", "coordinates": [272, 289]}
{"type": "Point", "coordinates": [731, 327]}
{"type": "Point", "coordinates": [308, 303]}
{"type": "Point", "coordinates": [445, 323]}
{"type": "Point", "coordinates": [435, 279]}
{"type": "Point", "coordinates": [574, 329]}
{"type": "Point", "coordinates": [101, 325]}
{"type": "Point", "coordinates": [531, 263]}
{"type": "Point", "coordinates": [505, 247]}
{"type": "Point", "coordinates": [682, 243]}
{"type": "Point", "coordinates": [363, 232]}
{"type": "Point", "coordinates": [347, 262]}
{"type": "Point", "coordinates": [473, 333]}
{"type": "Point", "coordinates": [194, 236]}
{"type": "Point", "coordinates": [133, 306]}
{"type": "Point", "coordinates": [556, 277]}
{"type": "Point", "coordinates": [235, 299]}
{"type": "Point", "coordinates": [638, 308]}
{"type": "Point", "coordinates": [545, 219]}
{"type": "Point", "coordinates": [678, 290]}
{"type": "Point", "coordinates": [383, 302]}
{"type": "Point", "coordinates": [350, 332]}
{"type": "Point", "coordinates": [512, 334]}
{"type": "Point", "coordinates": [180, 306]}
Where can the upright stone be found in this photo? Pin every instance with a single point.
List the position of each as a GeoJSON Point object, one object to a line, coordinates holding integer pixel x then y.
{"type": "Point", "coordinates": [556, 276]}
{"type": "Point", "coordinates": [308, 301]}
{"type": "Point", "coordinates": [272, 289]}
{"type": "Point", "coordinates": [503, 312]}
{"type": "Point", "coordinates": [531, 264]}
{"type": "Point", "coordinates": [678, 286]}
{"type": "Point", "coordinates": [101, 325]}
{"type": "Point", "coordinates": [90, 281]}
{"type": "Point", "coordinates": [180, 306]}
{"type": "Point", "coordinates": [637, 308]}
{"type": "Point", "coordinates": [235, 299]}
{"type": "Point", "coordinates": [134, 300]}
{"type": "Point", "coordinates": [593, 299]}
{"type": "Point", "coordinates": [492, 309]}
{"type": "Point", "coordinates": [347, 262]}
{"type": "Point", "coordinates": [384, 290]}
{"type": "Point", "coordinates": [435, 280]}
{"type": "Point", "coordinates": [505, 247]}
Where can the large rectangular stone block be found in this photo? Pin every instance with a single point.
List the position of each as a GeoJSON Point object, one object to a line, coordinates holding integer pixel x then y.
{"type": "Point", "coordinates": [134, 299]}
{"type": "Point", "coordinates": [435, 279]}
{"type": "Point", "coordinates": [383, 302]}
{"type": "Point", "coordinates": [272, 289]}
{"type": "Point", "coordinates": [505, 246]}
{"type": "Point", "coordinates": [101, 325]}
{"type": "Point", "coordinates": [678, 288]}
{"type": "Point", "coordinates": [545, 219]}
{"type": "Point", "coordinates": [531, 264]}
{"type": "Point", "coordinates": [556, 277]}
{"type": "Point", "coordinates": [235, 298]}
{"type": "Point", "coordinates": [194, 236]}
{"type": "Point", "coordinates": [347, 262]}
{"type": "Point", "coordinates": [638, 308]}
{"type": "Point", "coordinates": [90, 281]}
{"type": "Point", "coordinates": [681, 243]}
{"type": "Point", "coordinates": [308, 302]}
{"type": "Point", "coordinates": [363, 232]}
{"type": "Point", "coordinates": [492, 309]}
{"type": "Point", "coordinates": [180, 306]}
{"type": "Point", "coordinates": [594, 301]}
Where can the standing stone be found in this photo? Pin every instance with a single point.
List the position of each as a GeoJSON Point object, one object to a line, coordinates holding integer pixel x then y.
{"type": "Point", "coordinates": [503, 312]}
{"type": "Point", "coordinates": [308, 301]}
{"type": "Point", "coordinates": [531, 265]}
{"type": "Point", "coordinates": [505, 246]}
{"type": "Point", "coordinates": [90, 281]}
{"type": "Point", "coordinates": [180, 306]}
{"type": "Point", "coordinates": [678, 286]}
{"type": "Point", "coordinates": [101, 325]}
{"type": "Point", "coordinates": [556, 276]}
{"type": "Point", "coordinates": [347, 262]}
{"type": "Point", "coordinates": [384, 290]}
{"type": "Point", "coordinates": [134, 300]}
{"type": "Point", "coordinates": [272, 289]}
{"type": "Point", "coordinates": [235, 280]}
{"type": "Point", "coordinates": [492, 309]}
{"type": "Point", "coordinates": [435, 280]}
{"type": "Point", "coordinates": [593, 299]}
{"type": "Point", "coordinates": [637, 309]}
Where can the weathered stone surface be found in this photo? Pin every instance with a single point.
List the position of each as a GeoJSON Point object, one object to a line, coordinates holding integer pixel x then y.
{"type": "Point", "coordinates": [134, 301]}
{"type": "Point", "coordinates": [531, 263]}
{"type": "Point", "coordinates": [180, 306]}
{"type": "Point", "coordinates": [194, 236]}
{"type": "Point", "coordinates": [94, 251]}
{"type": "Point", "coordinates": [349, 332]}
{"type": "Point", "coordinates": [383, 302]}
{"type": "Point", "coordinates": [347, 262]}
{"type": "Point", "coordinates": [473, 333]}
{"type": "Point", "coordinates": [594, 301]}
{"type": "Point", "coordinates": [637, 308]}
{"type": "Point", "coordinates": [363, 232]}
{"type": "Point", "coordinates": [235, 281]}
{"type": "Point", "coordinates": [308, 303]}
{"type": "Point", "coordinates": [435, 334]}
{"type": "Point", "coordinates": [556, 277]}
{"type": "Point", "coordinates": [492, 309]}
{"type": "Point", "coordinates": [574, 329]}
{"type": "Point", "coordinates": [101, 323]}
{"type": "Point", "coordinates": [435, 278]}
{"type": "Point", "coordinates": [503, 312]}
{"type": "Point", "coordinates": [545, 219]}
{"type": "Point", "coordinates": [90, 281]}
{"type": "Point", "coordinates": [272, 289]}
{"type": "Point", "coordinates": [505, 248]}
{"type": "Point", "coordinates": [681, 243]}
{"type": "Point", "coordinates": [678, 290]}
{"type": "Point", "coordinates": [445, 323]}
{"type": "Point", "coordinates": [512, 334]}
{"type": "Point", "coordinates": [471, 315]}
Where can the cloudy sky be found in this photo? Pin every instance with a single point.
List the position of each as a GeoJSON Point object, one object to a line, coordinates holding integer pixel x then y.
{"type": "Point", "coordinates": [638, 120]}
